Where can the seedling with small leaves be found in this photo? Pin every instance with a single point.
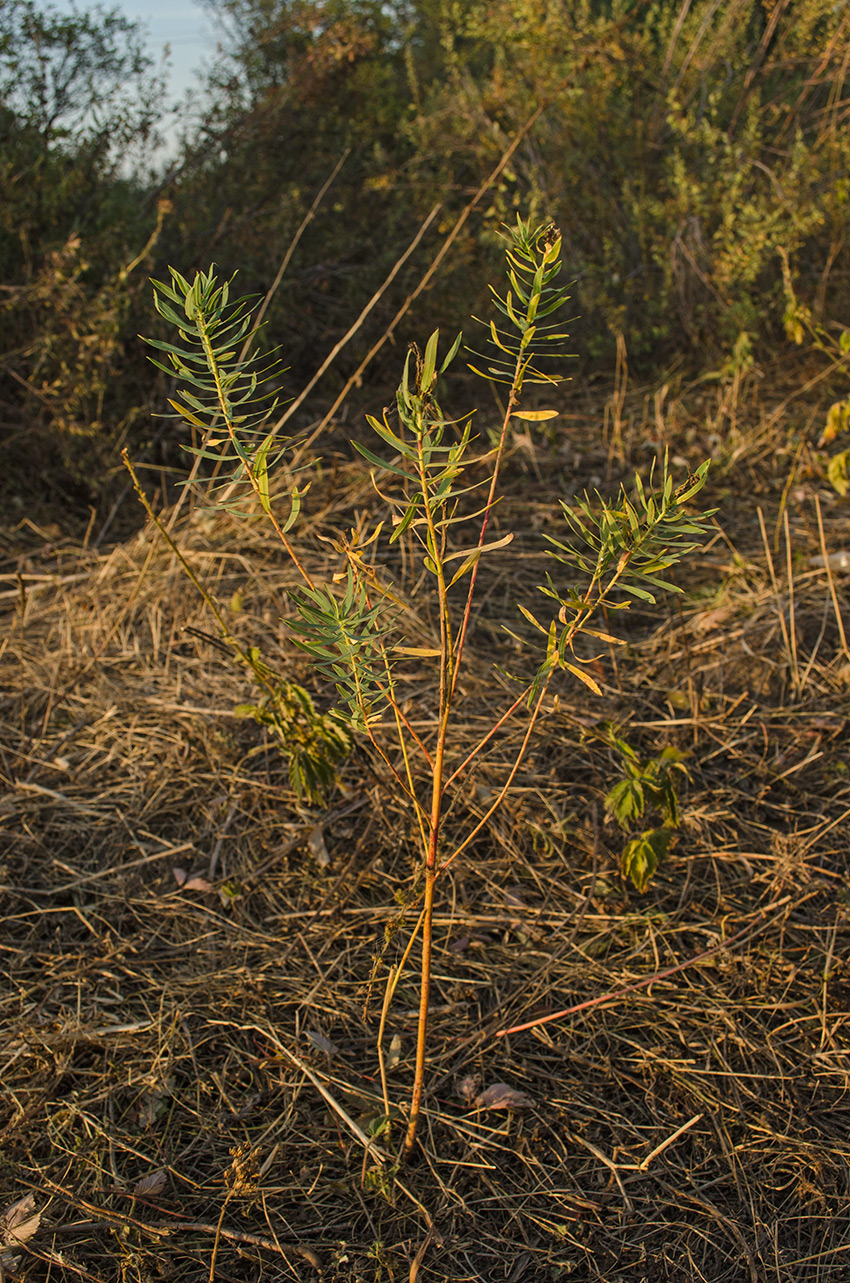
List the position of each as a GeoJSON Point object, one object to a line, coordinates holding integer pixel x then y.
{"type": "Point", "coordinates": [646, 786]}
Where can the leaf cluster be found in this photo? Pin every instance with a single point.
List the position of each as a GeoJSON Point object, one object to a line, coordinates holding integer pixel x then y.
{"type": "Point", "coordinates": [424, 457]}
{"type": "Point", "coordinates": [523, 339]}
{"type": "Point", "coordinates": [649, 785]}
{"type": "Point", "coordinates": [344, 638]}
{"type": "Point", "coordinates": [628, 545]}
{"type": "Point", "coordinates": [621, 549]}
{"type": "Point", "coordinates": [642, 855]}
{"type": "Point", "coordinates": [228, 392]}
{"type": "Point", "coordinates": [431, 456]}
{"type": "Point", "coordinates": [312, 743]}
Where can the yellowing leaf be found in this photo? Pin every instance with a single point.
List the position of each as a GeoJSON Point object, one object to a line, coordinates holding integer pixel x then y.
{"type": "Point", "coordinates": [535, 416]}
{"type": "Point", "coordinates": [466, 566]}
{"type": "Point", "coordinates": [186, 413]}
{"type": "Point", "coordinates": [530, 617]}
{"type": "Point", "coordinates": [839, 473]}
{"type": "Point", "coordinates": [487, 547]}
{"type": "Point", "coordinates": [260, 469]}
{"type": "Point", "coordinates": [837, 421]}
{"type": "Point", "coordinates": [606, 637]}
{"type": "Point", "coordinates": [584, 677]}
{"type": "Point", "coordinates": [423, 652]}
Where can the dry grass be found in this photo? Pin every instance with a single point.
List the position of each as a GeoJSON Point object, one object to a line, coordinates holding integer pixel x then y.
{"type": "Point", "coordinates": [189, 1075]}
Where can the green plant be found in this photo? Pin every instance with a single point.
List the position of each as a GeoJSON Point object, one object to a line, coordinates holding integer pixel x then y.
{"type": "Point", "coordinates": [311, 743]}
{"type": "Point", "coordinates": [439, 493]}
{"type": "Point", "coordinates": [80, 102]}
{"type": "Point", "coordinates": [687, 140]}
{"type": "Point", "coordinates": [646, 786]}
{"type": "Point", "coordinates": [801, 327]}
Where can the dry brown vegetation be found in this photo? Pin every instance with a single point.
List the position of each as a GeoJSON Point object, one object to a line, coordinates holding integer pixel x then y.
{"type": "Point", "coordinates": [188, 1062]}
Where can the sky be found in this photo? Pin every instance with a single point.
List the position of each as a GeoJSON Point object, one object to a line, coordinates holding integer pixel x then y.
{"type": "Point", "coordinates": [182, 24]}
{"type": "Point", "coordinates": [185, 26]}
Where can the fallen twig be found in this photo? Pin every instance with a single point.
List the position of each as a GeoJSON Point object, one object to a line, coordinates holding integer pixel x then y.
{"type": "Point", "coordinates": [750, 930]}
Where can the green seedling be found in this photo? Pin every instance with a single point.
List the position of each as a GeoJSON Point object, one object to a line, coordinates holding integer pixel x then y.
{"type": "Point", "coordinates": [649, 786]}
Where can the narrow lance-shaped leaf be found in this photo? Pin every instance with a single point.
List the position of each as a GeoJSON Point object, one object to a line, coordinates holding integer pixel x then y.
{"type": "Point", "coordinates": [583, 677]}
{"type": "Point", "coordinates": [429, 366]}
{"type": "Point", "coordinates": [453, 351]}
{"type": "Point", "coordinates": [535, 416]}
{"type": "Point", "coordinates": [473, 555]}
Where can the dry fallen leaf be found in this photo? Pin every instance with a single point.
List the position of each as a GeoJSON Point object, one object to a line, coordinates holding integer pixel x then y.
{"type": "Point", "coordinates": [316, 843]}
{"type": "Point", "coordinates": [837, 560]}
{"type": "Point", "coordinates": [193, 883]}
{"type": "Point", "coordinates": [197, 883]}
{"type": "Point", "coordinates": [827, 722]}
{"type": "Point", "coordinates": [468, 1086]}
{"type": "Point", "coordinates": [151, 1184]}
{"type": "Point", "coordinates": [324, 1044]}
{"type": "Point", "coordinates": [501, 1096]}
{"type": "Point", "coordinates": [18, 1223]}
{"type": "Point", "coordinates": [395, 1052]}
{"type": "Point", "coordinates": [707, 620]}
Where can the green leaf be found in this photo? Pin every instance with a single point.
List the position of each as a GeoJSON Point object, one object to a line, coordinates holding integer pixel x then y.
{"type": "Point", "coordinates": [640, 594]}
{"type": "Point", "coordinates": [429, 366]}
{"type": "Point", "coordinates": [260, 469]}
{"type": "Point", "coordinates": [378, 462]}
{"type": "Point", "coordinates": [295, 508]}
{"type": "Point", "coordinates": [642, 856]}
{"type": "Point", "coordinates": [407, 519]}
{"type": "Point", "coordinates": [385, 432]}
{"type": "Point", "coordinates": [625, 801]}
{"type": "Point", "coordinates": [453, 351]}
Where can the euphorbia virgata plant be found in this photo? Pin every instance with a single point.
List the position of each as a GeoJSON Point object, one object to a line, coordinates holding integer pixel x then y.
{"type": "Point", "coordinates": [438, 488]}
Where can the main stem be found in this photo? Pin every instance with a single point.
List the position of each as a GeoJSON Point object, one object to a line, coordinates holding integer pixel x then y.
{"type": "Point", "coordinates": [446, 688]}
{"type": "Point", "coordinates": [425, 971]}
{"type": "Point", "coordinates": [494, 481]}
{"type": "Point", "coordinates": [450, 662]}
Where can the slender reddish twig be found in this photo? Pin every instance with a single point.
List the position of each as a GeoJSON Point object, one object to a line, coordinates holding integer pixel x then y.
{"type": "Point", "coordinates": [492, 731]}
{"type": "Point", "coordinates": [752, 928]}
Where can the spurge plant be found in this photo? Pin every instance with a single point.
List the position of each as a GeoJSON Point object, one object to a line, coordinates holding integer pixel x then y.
{"type": "Point", "coordinates": [439, 491]}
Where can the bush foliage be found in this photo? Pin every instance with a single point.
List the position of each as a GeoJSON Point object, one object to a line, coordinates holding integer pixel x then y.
{"type": "Point", "coordinates": [691, 152]}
